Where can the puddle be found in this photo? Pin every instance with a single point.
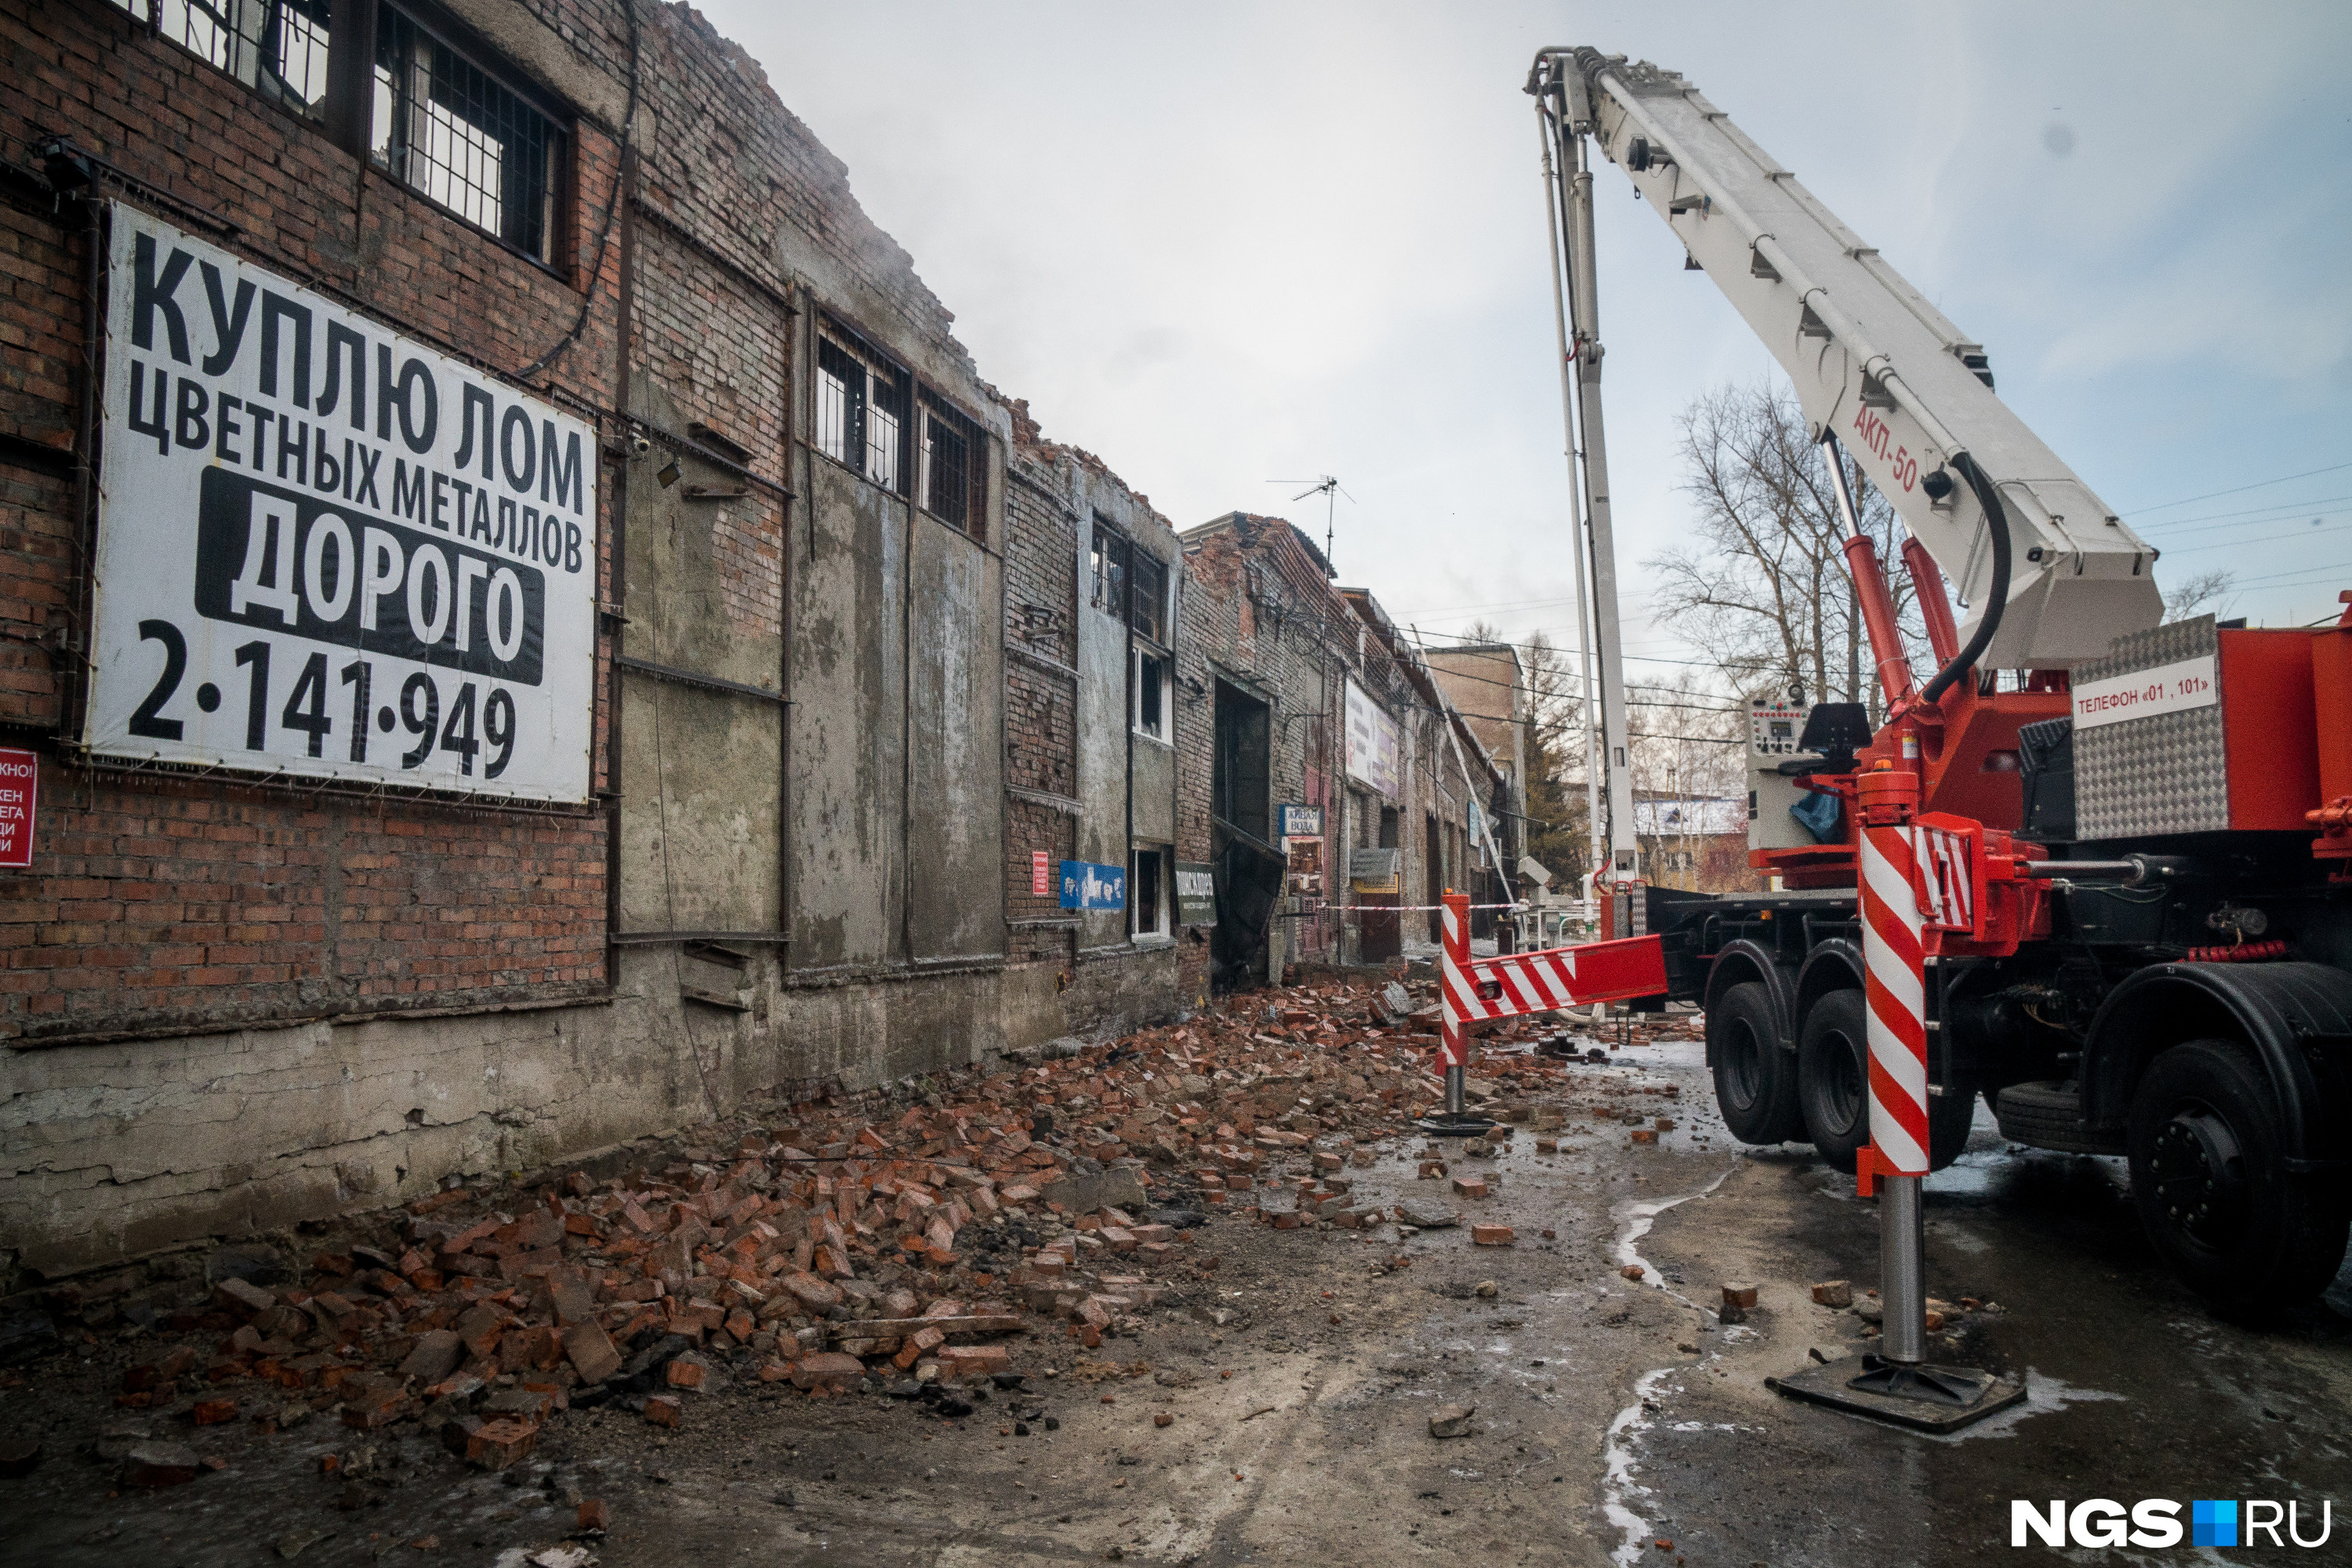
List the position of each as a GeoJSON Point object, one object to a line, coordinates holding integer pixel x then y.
{"type": "Point", "coordinates": [2043, 1397]}
{"type": "Point", "coordinates": [1618, 1487]}
{"type": "Point", "coordinates": [1634, 1220]}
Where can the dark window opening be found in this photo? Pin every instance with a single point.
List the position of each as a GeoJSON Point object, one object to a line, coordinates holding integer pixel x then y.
{"type": "Point", "coordinates": [1143, 894]}
{"type": "Point", "coordinates": [1434, 870]}
{"type": "Point", "coordinates": [1149, 613]}
{"type": "Point", "coordinates": [952, 481]}
{"type": "Point", "coordinates": [861, 412]}
{"type": "Point", "coordinates": [1152, 695]}
{"type": "Point", "coordinates": [448, 129]}
{"type": "Point", "coordinates": [1109, 564]}
{"type": "Point", "coordinates": [1240, 777]}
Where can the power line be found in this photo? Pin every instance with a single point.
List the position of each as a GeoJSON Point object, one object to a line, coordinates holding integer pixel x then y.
{"type": "Point", "coordinates": [2236, 490]}
{"type": "Point", "coordinates": [2284, 509]}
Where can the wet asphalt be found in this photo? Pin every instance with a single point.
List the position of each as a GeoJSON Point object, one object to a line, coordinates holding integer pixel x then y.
{"type": "Point", "coordinates": [2138, 1389]}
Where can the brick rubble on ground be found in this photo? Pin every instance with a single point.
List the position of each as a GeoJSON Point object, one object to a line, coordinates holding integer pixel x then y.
{"type": "Point", "coordinates": [833, 1250]}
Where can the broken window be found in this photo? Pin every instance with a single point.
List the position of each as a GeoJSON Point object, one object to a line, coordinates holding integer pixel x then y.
{"type": "Point", "coordinates": [1150, 694]}
{"type": "Point", "coordinates": [278, 47]}
{"type": "Point", "coordinates": [448, 129]}
{"type": "Point", "coordinates": [1109, 564]}
{"type": "Point", "coordinates": [951, 483]}
{"type": "Point", "coordinates": [1145, 894]}
{"type": "Point", "coordinates": [861, 407]}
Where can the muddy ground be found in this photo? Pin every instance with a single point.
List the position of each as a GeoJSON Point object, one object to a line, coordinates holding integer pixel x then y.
{"type": "Point", "coordinates": [1616, 1420]}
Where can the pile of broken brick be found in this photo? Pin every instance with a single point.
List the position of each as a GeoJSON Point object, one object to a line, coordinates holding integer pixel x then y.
{"type": "Point", "coordinates": [827, 1249]}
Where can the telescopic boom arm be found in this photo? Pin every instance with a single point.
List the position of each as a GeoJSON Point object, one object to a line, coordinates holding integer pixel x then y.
{"type": "Point", "coordinates": [2050, 573]}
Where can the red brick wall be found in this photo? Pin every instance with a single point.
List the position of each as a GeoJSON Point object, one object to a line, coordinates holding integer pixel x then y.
{"type": "Point", "coordinates": [1041, 727]}
{"type": "Point", "coordinates": [159, 902]}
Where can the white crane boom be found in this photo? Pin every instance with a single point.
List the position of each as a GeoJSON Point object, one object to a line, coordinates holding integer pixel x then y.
{"type": "Point", "coordinates": [1873, 363]}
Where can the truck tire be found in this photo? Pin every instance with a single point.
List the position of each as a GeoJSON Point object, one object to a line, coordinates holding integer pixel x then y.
{"type": "Point", "coordinates": [1833, 1087]}
{"type": "Point", "coordinates": [1755, 1080]}
{"type": "Point", "coordinates": [2050, 1116]}
{"type": "Point", "coordinates": [2207, 1142]}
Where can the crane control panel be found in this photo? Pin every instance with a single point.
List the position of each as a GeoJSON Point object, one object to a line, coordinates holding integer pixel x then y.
{"type": "Point", "coordinates": [1774, 727]}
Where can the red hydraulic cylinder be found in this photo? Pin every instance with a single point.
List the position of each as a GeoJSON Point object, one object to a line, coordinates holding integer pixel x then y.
{"type": "Point", "coordinates": [1935, 604]}
{"type": "Point", "coordinates": [1878, 617]}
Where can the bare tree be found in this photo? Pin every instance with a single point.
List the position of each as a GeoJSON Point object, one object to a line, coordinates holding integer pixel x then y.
{"type": "Point", "coordinates": [1685, 767]}
{"type": "Point", "coordinates": [2211, 591]}
{"type": "Point", "coordinates": [1767, 591]}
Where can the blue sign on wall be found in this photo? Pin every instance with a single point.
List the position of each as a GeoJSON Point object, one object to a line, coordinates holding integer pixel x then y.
{"type": "Point", "coordinates": [1086, 885]}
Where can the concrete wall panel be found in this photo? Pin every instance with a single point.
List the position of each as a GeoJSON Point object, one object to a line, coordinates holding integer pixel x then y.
{"type": "Point", "coordinates": [955, 855]}
{"type": "Point", "coordinates": [699, 822]}
{"type": "Point", "coordinates": [850, 763]}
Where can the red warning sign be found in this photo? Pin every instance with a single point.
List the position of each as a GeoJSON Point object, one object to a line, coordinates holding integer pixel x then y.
{"type": "Point", "coordinates": [1041, 876]}
{"type": "Point", "coordinates": [20, 779]}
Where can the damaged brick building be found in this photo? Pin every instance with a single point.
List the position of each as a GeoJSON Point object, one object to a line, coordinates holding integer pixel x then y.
{"type": "Point", "coordinates": [1090, 735]}
{"type": "Point", "coordinates": [531, 629]}
{"type": "Point", "coordinates": [1319, 761]}
{"type": "Point", "coordinates": [581, 703]}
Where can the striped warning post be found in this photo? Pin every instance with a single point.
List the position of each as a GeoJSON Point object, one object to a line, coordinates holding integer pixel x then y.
{"type": "Point", "coordinates": [1896, 990]}
{"type": "Point", "coordinates": [1454, 987]}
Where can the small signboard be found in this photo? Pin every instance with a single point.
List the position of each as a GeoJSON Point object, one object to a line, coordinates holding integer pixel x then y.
{"type": "Point", "coordinates": [1375, 870]}
{"type": "Point", "coordinates": [20, 783]}
{"type": "Point", "coordinates": [1196, 894]}
{"type": "Point", "coordinates": [1041, 875]}
{"type": "Point", "coordinates": [1298, 821]}
{"type": "Point", "coordinates": [1088, 886]}
{"type": "Point", "coordinates": [1372, 742]}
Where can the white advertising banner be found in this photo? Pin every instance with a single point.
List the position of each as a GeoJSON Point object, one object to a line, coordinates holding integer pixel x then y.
{"type": "Point", "coordinates": [1372, 742]}
{"type": "Point", "coordinates": [325, 550]}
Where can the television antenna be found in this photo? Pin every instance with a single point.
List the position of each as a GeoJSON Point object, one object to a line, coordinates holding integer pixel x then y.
{"type": "Point", "coordinates": [1321, 485]}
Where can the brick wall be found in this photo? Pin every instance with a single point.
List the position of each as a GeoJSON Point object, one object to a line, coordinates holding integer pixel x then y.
{"type": "Point", "coordinates": [156, 901]}
{"type": "Point", "coordinates": [1054, 494]}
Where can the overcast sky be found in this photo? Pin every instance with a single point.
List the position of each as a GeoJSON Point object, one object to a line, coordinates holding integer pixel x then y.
{"type": "Point", "coordinates": [1220, 245]}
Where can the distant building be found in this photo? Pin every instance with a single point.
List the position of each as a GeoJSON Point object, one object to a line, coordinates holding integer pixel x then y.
{"type": "Point", "coordinates": [1698, 843]}
{"type": "Point", "coordinates": [1488, 686]}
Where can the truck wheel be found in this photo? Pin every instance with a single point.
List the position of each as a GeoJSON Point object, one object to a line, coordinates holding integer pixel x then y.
{"type": "Point", "coordinates": [1833, 1087]}
{"type": "Point", "coordinates": [2205, 1140]}
{"type": "Point", "coordinates": [1833, 1077]}
{"type": "Point", "coordinates": [1755, 1080]}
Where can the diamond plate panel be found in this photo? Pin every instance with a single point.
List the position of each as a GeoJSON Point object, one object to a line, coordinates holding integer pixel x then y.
{"type": "Point", "coordinates": [2165, 774]}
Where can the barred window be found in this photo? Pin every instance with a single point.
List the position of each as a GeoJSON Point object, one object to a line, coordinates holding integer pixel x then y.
{"type": "Point", "coordinates": [954, 481]}
{"type": "Point", "coordinates": [278, 47]}
{"type": "Point", "coordinates": [860, 412]}
{"type": "Point", "coordinates": [446, 128]}
{"type": "Point", "coordinates": [1108, 574]}
{"type": "Point", "coordinates": [1148, 614]}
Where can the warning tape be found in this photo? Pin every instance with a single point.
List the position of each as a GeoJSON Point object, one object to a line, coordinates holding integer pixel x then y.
{"type": "Point", "coordinates": [1414, 908]}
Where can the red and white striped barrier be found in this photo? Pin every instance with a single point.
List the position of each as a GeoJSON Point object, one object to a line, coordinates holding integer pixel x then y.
{"type": "Point", "coordinates": [1946, 868]}
{"type": "Point", "coordinates": [1453, 982]}
{"type": "Point", "coordinates": [1512, 985]}
{"type": "Point", "coordinates": [1895, 990]}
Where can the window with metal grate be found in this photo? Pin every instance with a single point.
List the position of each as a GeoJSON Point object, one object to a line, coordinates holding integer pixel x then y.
{"type": "Point", "coordinates": [448, 129]}
{"type": "Point", "coordinates": [278, 47]}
